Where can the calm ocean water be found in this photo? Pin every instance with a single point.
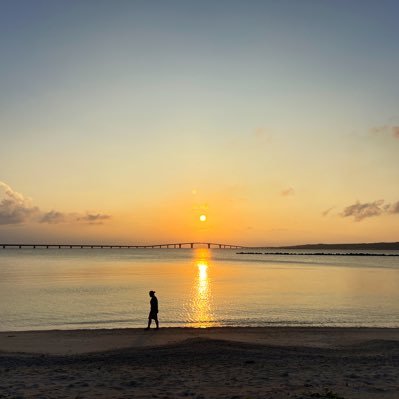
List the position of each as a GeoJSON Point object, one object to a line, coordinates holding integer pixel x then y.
{"type": "Point", "coordinates": [108, 288]}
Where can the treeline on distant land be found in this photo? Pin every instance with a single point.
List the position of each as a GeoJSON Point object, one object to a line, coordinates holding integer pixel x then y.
{"type": "Point", "coordinates": [362, 246]}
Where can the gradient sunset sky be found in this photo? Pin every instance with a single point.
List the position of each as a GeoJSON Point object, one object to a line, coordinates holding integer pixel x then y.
{"type": "Point", "coordinates": [124, 121]}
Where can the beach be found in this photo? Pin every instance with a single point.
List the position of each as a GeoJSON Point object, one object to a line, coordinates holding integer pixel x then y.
{"type": "Point", "coordinates": [240, 362]}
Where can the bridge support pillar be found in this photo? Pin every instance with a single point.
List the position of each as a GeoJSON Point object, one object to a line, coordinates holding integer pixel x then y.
{"type": "Point", "coordinates": [209, 245]}
{"type": "Point", "coordinates": [191, 245]}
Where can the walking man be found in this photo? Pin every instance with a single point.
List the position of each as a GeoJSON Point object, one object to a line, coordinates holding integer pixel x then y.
{"type": "Point", "coordinates": [153, 311]}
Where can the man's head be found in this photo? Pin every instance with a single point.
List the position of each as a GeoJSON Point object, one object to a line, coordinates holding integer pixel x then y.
{"type": "Point", "coordinates": [151, 293]}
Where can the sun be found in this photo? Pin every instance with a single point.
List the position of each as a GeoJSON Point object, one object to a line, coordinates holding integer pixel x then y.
{"type": "Point", "coordinates": [202, 218]}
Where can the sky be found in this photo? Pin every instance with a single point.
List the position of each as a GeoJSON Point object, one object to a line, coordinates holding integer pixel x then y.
{"type": "Point", "coordinates": [124, 122]}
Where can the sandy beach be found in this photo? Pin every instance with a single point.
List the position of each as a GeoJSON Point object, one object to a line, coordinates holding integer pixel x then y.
{"type": "Point", "coordinates": [243, 362]}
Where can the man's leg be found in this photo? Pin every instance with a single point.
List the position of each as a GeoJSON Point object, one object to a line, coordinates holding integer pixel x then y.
{"type": "Point", "coordinates": [149, 323]}
{"type": "Point", "coordinates": [157, 323]}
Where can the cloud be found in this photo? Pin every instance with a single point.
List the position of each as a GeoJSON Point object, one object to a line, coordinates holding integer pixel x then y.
{"type": "Point", "coordinates": [394, 208]}
{"type": "Point", "coordinates": [366, 210]}
{"type": "Point", "coordinates": [327, 211]}
{"type": "Point", "coordinates": [361, 211]}
{"type": "Point", "coordinates": [17, 209]}
{"type": "Point", "coordinates": [287, 192]}
{"type": "Point", "coordinates": [14, 207]}
{"type": "Point", "coordinates": [391, 130]}
{"type": "Point", "coordinates": [90, 218]}
{"type": "Point", "coordinates": [52, 217]}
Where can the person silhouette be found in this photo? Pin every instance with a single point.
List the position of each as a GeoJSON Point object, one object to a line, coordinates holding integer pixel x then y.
{"type": "Point", "coordinates": [153, 311]}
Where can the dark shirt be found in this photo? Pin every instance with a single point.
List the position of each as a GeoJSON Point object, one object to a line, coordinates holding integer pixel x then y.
{"type": "Point", "coordinates": [154, 305]}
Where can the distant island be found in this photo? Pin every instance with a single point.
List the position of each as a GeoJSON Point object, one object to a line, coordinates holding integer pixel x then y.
{"type": "Point", "coordinates": [367, 246]}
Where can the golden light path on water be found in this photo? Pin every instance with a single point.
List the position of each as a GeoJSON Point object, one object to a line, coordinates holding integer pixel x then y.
{"type": "Point", "coordinates": [201, 305]}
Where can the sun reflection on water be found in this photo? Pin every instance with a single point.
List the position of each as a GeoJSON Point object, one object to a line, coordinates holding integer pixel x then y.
{"type": "Point", "coordinates": [201, 305]}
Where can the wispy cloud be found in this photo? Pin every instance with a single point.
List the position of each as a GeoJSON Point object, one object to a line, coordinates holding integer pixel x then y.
{"type": "Point", "coordinates": [287, 192]}
{"type": "Point", "coordinates": [17, 209]}
{"type": "Point", "coordinates": [327, 211]}
{"type": "Point", "coordinates": [90, 218]}
{"type": "Point", "coordinates": [386, 129]}
{"type": "Point", "coordinates": [55, 217]}
{"type": "Point", "coordinates": [360, 211]}
{"type": "Point", "coordinates": [52, 217]}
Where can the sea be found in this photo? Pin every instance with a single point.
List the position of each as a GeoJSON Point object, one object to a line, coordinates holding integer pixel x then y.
{"type": "Point", "coordinates": [47, 289]}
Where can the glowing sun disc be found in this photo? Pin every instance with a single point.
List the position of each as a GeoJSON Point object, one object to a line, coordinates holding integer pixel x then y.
{"type": "Point", "coordinates": [202, 218]}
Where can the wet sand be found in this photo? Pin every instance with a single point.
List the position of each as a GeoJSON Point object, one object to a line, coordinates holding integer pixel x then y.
{"type": "Point", "coordinates": [243, 363]}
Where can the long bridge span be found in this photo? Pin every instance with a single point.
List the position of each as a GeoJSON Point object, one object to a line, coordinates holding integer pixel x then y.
{"type": "Point", "coordinates": [166, 245]}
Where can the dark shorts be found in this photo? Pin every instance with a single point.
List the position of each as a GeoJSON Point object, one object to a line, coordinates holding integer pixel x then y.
{"type": "Point", "coordinates": [153, 315]}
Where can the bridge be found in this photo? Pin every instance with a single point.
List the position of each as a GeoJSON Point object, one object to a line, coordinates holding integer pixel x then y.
{"type": "Point", "coordinates": [103, 246]}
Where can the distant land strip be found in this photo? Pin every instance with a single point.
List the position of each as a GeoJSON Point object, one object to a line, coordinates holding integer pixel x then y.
{"type": "Point", "coordinates": [317, 253]}
{"type": "Point", "coordinates": [363, 246]}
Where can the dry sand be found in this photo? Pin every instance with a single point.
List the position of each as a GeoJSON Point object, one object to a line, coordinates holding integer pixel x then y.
{"type": "Point", "coordinates": [358, 363]}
